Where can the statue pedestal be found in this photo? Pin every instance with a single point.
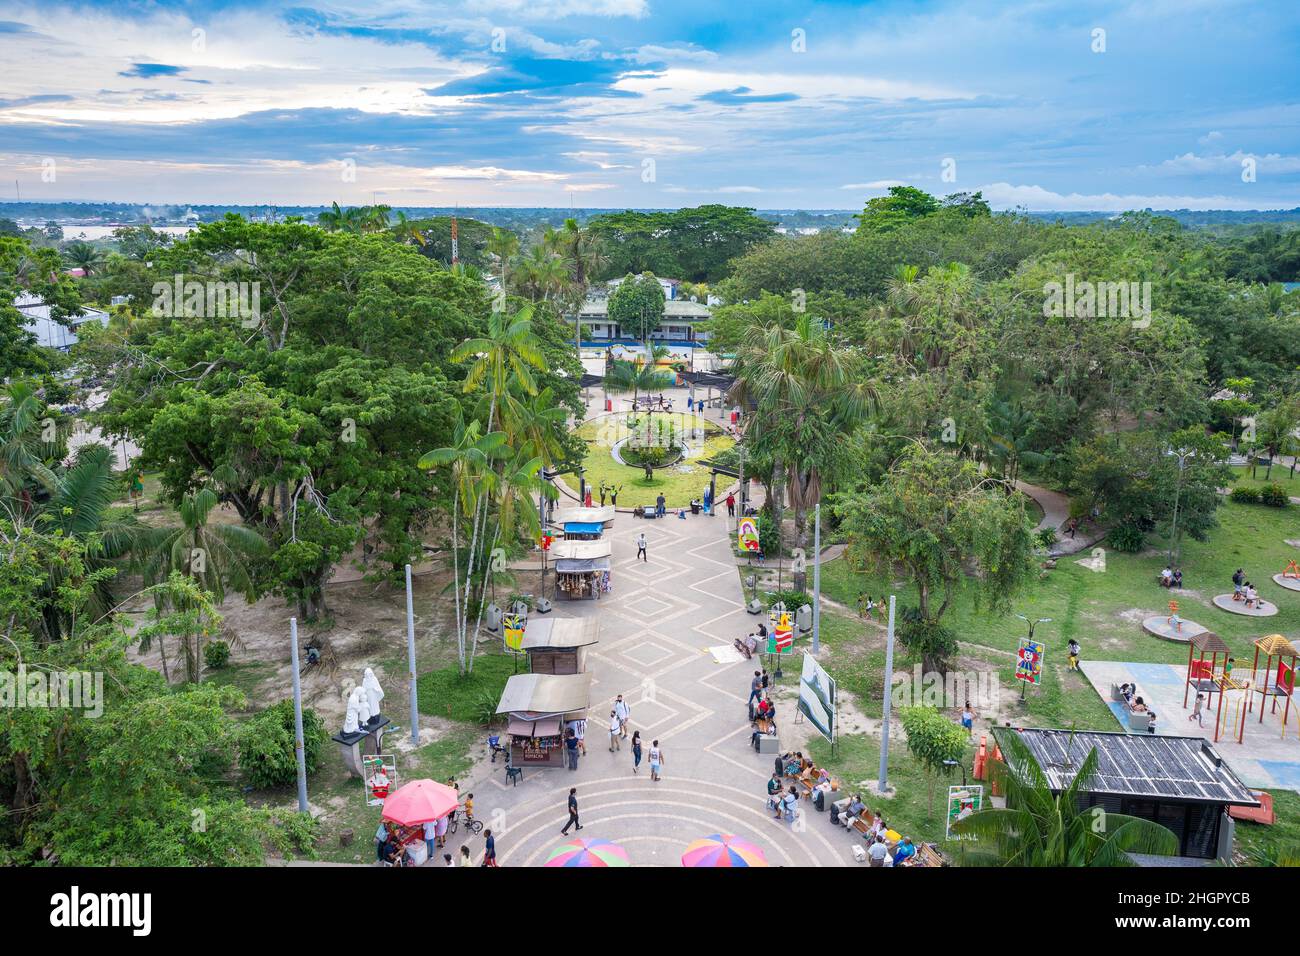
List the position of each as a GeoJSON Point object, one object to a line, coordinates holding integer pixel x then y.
{"type": "Point", "coordinates": [367, 741]}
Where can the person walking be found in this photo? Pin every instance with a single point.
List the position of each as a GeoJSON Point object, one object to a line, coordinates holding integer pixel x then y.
{"type": "Point", "coordinates": [615, 727]}
{"type": "Point", "coordinates": [755, 691]}
{"type": "Point", "coordinates": [573, 812]}
{"type": "Point", "coordinates": [656, 760]}
{"type": "Point", "coordinates": [1073, 654]}
{"type": "Point", "coordinates": [640, 547]}
{"type": "Point", "coordinates": [624, 711]}
{"type": "Point", "coordinates": [465, 859]}
{"type": "Point", "coordinates": [636, 751]}
{"type": "Point", "coordinates": [731, 504]}
{"type": "Point", "coordinates": [580, 730]}
{"type": "Point", "coordinates": [1198, 714]}
{"type": "Point", "coordinates": [490, 851]}
{"type": "Point", "coordinates": [968, 718]}
{"type": "Point", "coordinates": [571, 749]}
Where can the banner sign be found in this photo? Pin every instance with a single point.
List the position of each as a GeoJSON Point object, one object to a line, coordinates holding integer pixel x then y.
{"type": "Point", "coordinates": [1029, 661]}
{"type": "Point", "coordinates": [747, 534]}
{"type": "Point", "coordinates": [817, 697]}
{"type": "Point", "coordinates": [512, 628]}
{"type": "Point", "coordinates": [780, 633]}
{"type": "Point", "coordinates": [962, 802]}
{"type": "Point", "coordinates": [379, 776]}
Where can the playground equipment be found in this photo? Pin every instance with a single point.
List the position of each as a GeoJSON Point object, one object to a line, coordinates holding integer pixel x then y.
{"type": "Point", "coordinates": [1292, 570]}
{"type": "Point", "coordinates": [1275, 645]}
{"type": "Point", "coordinates": [1174, 620]}
{"type": "Point", "coordinates": [1201, 676]}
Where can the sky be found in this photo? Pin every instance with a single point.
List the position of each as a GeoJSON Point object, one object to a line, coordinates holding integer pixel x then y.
{"type": "Point", "coordinates": [1040, 104]}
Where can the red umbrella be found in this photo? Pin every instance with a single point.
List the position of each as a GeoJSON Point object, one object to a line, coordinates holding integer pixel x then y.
{"type": "Point", "coordinates": [420, 801]}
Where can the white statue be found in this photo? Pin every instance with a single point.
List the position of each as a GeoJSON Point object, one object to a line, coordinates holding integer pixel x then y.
{"type": "Point", "coordinates": [374, 693]}
{"type": "Point", "coordinates": [352, 720]}
{"type": "Point", "coordinates": [366, 713]}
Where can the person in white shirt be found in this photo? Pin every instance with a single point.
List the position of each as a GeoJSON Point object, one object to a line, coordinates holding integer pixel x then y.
{"type": "Point", "coordinates": [640, 547]}
{"type": "Point", "coordinates": [623, 711]}
{"type": "Point", "coordinates": [615, 726]}
{"type": "Point", "coordinates": [878, 852]}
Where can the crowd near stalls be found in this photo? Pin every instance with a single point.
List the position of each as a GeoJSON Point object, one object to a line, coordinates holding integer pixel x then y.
{"type": "Point", "coordinates": [539, 708]}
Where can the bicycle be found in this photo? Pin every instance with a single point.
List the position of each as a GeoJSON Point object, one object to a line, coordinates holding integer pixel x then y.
{"type": "Point", "coordinates": [473, 826]}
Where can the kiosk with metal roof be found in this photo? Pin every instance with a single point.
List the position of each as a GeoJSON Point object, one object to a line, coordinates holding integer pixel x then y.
{"type": "Point", "coordinates": [559, 645]}
{"type": "Point", "coordinates": [538, 706]}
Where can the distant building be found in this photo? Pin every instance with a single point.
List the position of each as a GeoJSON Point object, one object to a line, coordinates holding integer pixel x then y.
{"type": "Point", "coordinates": [679, 327]}
{"type": "Point", "coordinates": [1180, 783]}
{"type": "Point", "coordinates": [49, 332]}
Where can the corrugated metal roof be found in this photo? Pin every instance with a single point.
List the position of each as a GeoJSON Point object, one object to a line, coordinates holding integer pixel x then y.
{"type": "Point", "coordinates": [601, 514]}
{"type": "Point", "coordinates": [600, 548]}
{"type": "Point", "coordinates": [1138, 765]}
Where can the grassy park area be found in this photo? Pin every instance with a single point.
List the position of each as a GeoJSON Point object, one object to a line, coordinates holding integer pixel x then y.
{"type": "Point", "coordinates": [678, 483]}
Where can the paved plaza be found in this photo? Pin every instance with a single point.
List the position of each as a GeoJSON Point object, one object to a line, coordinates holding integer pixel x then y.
{"type": "Point", "coordinates": [655, 631]}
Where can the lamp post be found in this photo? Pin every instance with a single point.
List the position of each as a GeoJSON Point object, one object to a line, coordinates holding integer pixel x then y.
{"type": "Point", "coordinates": [1181, 455]}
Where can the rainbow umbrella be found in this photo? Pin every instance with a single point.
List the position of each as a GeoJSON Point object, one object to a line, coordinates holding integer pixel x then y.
{"type": "Point", "coordinates": [583, 852]}
{"type": "Point", "coordinates": [723, 849]}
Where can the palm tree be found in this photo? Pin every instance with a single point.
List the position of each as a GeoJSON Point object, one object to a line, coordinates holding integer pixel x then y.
{"type": "Point", "coordinates": [637, 377]}
{"type": "Point", "coordinates": [541, 275]}
{"type": "Point", "coordinates": [83, 256]}
{"type": "Point", "coordinates": [23, 450]}
{"type": "Point", "coordinates": [807, 398]}
{"type": "Point", "coordinates": [469, 457]}
{"type": "Point", "coordinates": [1007, 448]}
{"type": "Point", "coordinates": [219, 557]}
{"type": "Point", "coordinates": [333, 219]}
{"type": "Point", "coordinates": [406, 232]}
{"type": "Point", "coordinates": [502, 247]}
{"type": "Point", "coordinates": [508, 352]}
{"type": "Point", "coordinates": [1044, 829]}
{"type": "Point", "coordinates": [532, 424]}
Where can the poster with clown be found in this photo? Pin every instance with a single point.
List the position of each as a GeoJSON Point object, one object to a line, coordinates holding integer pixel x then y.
{"type": "Point", "coordinates": [1029, 661]}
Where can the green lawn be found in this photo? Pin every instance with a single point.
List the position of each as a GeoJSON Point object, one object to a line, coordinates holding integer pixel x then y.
{"type": "Point", "coordinates": [679, 483]}
{"type": "Point", "coordinates": [1281, 476]}
{"type": "Point", "coordinates": [445, 693]}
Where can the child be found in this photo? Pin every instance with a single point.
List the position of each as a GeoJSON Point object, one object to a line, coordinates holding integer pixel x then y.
{"type": "Point", "coordinates": [1074, 654]}
{"type": "Point", "coordinates": [469, 807]}
{"type": "Point", "coordinates": [1197, 710]}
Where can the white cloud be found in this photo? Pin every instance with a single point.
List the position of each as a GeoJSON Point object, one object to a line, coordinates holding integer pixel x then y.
{"type": "Point", "coordinates": [878, 184]}
{"type": "Point", "coordinates": [1036, 198]}
{"type": "Point", "coordinates": [1193, 163]}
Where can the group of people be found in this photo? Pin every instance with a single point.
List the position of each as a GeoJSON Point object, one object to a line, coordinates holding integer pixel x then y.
{"type": "Point", "coordinates": [1171, 577]}
{"type": "Point", "coordinates": [876, 835]}
{"type": "Point", "coordinates": [1243, 590]}
{"type": "Point", "coordinates": [1137, 705]}
{"type": "Point", "coordinates": [391, 843]}
{"type": "Point", "coordinates": [607, 489]}
{"type": "Point", "coordinates": [869, 606]}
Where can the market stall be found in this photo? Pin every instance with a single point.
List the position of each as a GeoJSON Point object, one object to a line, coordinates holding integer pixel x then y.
{"type": "Point", "coordinates": [559, 645]}
{"type": "Point", "coordinates": [583, 578]}
{"type": "Point", "coordinates": [538, 706]}
{"type": "Point", "coordinates": [409, 807]}
{"type": "Point", "coordinates": [584, 524]}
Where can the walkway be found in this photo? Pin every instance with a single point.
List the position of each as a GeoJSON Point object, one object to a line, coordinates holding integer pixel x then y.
{"type": "Point", "coordinates": [655, 631]}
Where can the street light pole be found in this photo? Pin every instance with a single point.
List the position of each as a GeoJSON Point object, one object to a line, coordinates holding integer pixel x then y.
{"type": "Point", "coordinates": [881, 783]}
{"type": "Point", "coordinates": [410, 660]}
{"type": "Point", "coordinates": [817, 578]}
{"type": "Point", "coordinates": [299, 745]}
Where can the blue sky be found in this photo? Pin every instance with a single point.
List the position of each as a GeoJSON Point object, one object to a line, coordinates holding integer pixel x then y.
{"type": "Point", "coordinates": [1046, 104]}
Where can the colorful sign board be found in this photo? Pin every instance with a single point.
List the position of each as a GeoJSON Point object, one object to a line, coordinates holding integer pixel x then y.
{"type": "Point", "coordinates": [962, 802]}
{"type": "Point", "coordinates": [379, 775]}
{"type": "Point", "coordinates": [747, 534]}
{"type": "Point", "coordinates": [512, 629]}
{"type": "Point", "coordinates": [1029, 661]}
{"type": "Point", "coordinates": [780, 632]}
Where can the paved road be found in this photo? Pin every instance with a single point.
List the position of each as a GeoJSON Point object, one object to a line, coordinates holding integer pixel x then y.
{"type": "Point", "coordinates": [656, 628]}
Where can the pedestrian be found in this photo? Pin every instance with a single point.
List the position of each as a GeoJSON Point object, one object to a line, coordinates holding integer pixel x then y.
{"type": "Point", "coordinates": [580, 730]}
{"type": "Point", "coordinates": [755, 692]}
{"type": "Point", "coordinates": [604, 490]}
{"type": "Point", "coordinates": [731, 504]}
{"type": "Point", "coordinates": [447, 860]}
{"type": "Point", "coordinates": [968, 717]}
{"type": "Point", "coordinates": [656, 760]}
{"type": "Point", "coordinates": [613, 494]}
{"type": "Point", "coordinates": [661, 504]}
{"type": "Point", "coordinates": [636, 751]}
{"type": "Point", "coordinates": [490, 850]}
{"type": "Point", "coordinates": [1198, 714]}
{"type": "Point", "coordinates": [1073, 654]}
{"type": "Point", "coordinates": [431, 837]}
{"type": "Point", "coordinates": [441, 830]}
{"type": "Point", "coordinates": [624, 711]}
{"type": "Point", "coordinates": [573, 812]}
{"type": "Point", "coordinates": [640, 547]}
{"type": "Point", "coordinates": [615, 726]}
{"type": "Point", "coordinates": [465, 859]}
{"type": "Point", "coordinates": [571, 749]}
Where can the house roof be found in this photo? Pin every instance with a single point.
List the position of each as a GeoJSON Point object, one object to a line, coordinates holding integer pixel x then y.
{"type": "Point", "coordinates": [1209, 641]}
{"type": "Point", "coordinates": [532, 696]}
{"type": "Point", "coordinates": [1137, 765]}
{"type": "Point", "coordinates": [673, 309]}
{"type": "Point", "coordinates": [600, 548]}
{"type": "Point", "coordinates": [559, 633]}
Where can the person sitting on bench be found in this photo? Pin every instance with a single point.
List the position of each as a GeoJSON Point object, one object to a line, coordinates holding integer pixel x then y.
{"type": "Point", "coordinates": [1138, 706]}
{"type": "Point", "coordinates": [850, 813]}
{"type": "Point", "coordinates": [1178, 578]}
{"type": "Point", "coordinates": [1166, 577]}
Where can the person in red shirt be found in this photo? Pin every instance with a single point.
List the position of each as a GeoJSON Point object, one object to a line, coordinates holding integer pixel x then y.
{"type": "Point", "coordinates": [731, 504]}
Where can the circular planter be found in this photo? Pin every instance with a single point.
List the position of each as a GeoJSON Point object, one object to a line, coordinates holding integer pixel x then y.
{"type": "Point", "coordinates": [617, 452]}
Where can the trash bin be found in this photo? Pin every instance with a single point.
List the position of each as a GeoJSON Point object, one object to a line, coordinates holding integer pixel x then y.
{"type": "Point", "coordinates": [695, 507]}
{"type": "Point", "coordinates": [609, 405]}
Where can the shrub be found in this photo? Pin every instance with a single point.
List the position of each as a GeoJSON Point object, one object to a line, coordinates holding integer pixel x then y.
{"type": "Point", "coordinates": [266, 746]}
{"type": "Point", "coordinates": [1126, 537]}
{"type": "Point", "coordinates": [769, 536]}
{"type": "Point", "coordinates": [1274, 495]}
{"type": "Point", "coordinates": [1244, 495]}
{"type": "Point", "coordinates": [1046, 538]}
{"type": "Point", "coordinates": [216, 655]}
{"type": "Point", "coordinates": [793, 600]}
